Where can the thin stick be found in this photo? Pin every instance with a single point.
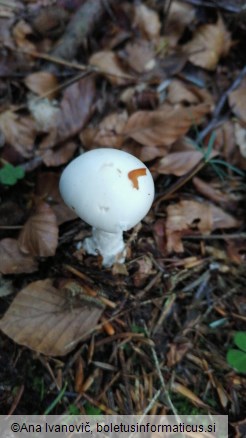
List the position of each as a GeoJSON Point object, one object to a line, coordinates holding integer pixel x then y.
{"type": "Point", "coordinates": [220, 105]}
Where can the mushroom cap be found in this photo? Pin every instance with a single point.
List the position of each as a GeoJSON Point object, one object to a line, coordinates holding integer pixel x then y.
{"type": "Point", "coordinates": [108, 188]}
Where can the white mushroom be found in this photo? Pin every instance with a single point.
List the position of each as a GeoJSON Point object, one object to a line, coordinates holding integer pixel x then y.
{"type": "Point", "coordinates": [110, 190]}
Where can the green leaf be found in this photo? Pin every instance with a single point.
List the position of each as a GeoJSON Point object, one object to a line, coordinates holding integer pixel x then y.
{"type": "Point", "coordinates": [240, 340]}
{"type": "Point", "coordinates": [73, 410]}
{"type": "Point", "coordinates": [10, 174]}
{"type": "Point", "coordinates": [92, 410]}
{"type": "Point", "coordinates": [237, 359]}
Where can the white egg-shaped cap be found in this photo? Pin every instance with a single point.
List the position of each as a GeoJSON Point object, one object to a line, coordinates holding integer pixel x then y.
{"type": "Point", "coordinates": [108, 188]}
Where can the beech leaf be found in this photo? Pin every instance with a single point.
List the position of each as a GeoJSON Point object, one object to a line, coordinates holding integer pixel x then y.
{"type": "Point", "coordinates": [186, 216]}
{"type": "Point", "coordinates": [39, 236]}
{"type": "Point", "coordinates": [13, 261]}
{"type": "Point", "coordinates": [165, 125]}
{"type": "Point", "coordinates": [48, 320]}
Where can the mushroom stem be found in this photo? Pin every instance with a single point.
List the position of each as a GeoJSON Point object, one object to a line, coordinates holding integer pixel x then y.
{"type": "Point", "coordinates": [110, 245]}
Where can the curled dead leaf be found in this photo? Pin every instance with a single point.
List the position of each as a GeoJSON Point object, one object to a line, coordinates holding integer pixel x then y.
{"type": "Point", "coordinates": [47, 188]}
{"type": "Point", "coordinates": [165, 125]}
{"type": "Point", "coordinates": [187, 216]}
{"type": "Point", "coordinates": [148, 21]}
{"type": "Point", "coordinates": [237, 100]}
{"type": "Point", "coordinates": [41, 83]}
{"type": "Point", "coordinates": [49, 320]}
{"type": "Point", "coordinates": [178, 163]}
{"type": "Point", "coordinates": [209, 43]}
{"type": "Point", "coordinates": [108, 64]}
{"type": "Point", "coordinates": [39, 236]}
{"type": "Point", "coordinates": [60, 155]}
{"type": "Point", "coordinates": [19, 132]}
{"type": "Point", "coordinates": [13, 261]}
{"type": "Point", "coordinates": [180, 15]}
{"type": "Point", "coordinates": [107, 134]}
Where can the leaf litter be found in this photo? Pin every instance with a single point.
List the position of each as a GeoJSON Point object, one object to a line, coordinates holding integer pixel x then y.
{"type": "Point", "coordinates": [167, 86]}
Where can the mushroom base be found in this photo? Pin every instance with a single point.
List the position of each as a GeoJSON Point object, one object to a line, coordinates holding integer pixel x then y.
{"type": "Point", "coordinates": [110, 245]}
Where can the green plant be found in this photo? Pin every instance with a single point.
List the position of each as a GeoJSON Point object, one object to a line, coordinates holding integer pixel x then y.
{"type": "Point", "coordinates": [215, 162]}
{"type": "Point", "coordinates": [9, 174]}
{"type": "Point", "coordinates": [237, 357]}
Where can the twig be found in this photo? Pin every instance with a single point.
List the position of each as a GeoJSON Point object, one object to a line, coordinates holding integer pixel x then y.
{"type": "Point", "coordinates": [216, 237]}
{"type": "Point", "coordinates": [129, 405]}
{"type": "Point", "coordinates": [163, 384]}
{"type": "Point", "coordinates": [226, 7]}
{"type": "Point", "coordinates": [220, 104]}
{"type": "Point", "coordinates": [81, 25]}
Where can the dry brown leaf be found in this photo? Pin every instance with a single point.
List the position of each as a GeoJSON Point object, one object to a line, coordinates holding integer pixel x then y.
{"type": "Point", "coordinates": [19, 132]}
{"type": "Point", "coordinates": [49, 320]}
{"type": "Point", "coordinates": [140, 56]}
{"type": "Point", "coordinates": [39, 236]}
{"type": "Point", "coordinates": [181, 92]}
{"type": "Point", "coordinates": [145, 269]}
{"type": "Point", "coordinates": [76, 107]}
{"type": "Point", "coordinates": [41, 82]}
{"type": "Point", "coordinates": [209, 43]}
{"type": "Point", "coordinates": [61, 155]}
{"type": "Point", "coordinates": [108, 63]}
{"type": "Point", "coordinates": [240, 134]}
{"type": "Point", "coordinates": [13, 261]}
{"type": "Point", "coordinates": [180, 15]}
{"type": "Point", "coordinates": [74, 111]}
{"type": "Point", "coordinates": [177, 352]}
{"type": "Point", "coordinates": [178, 163]}
{"type": "Point", "coordinates": [163, 126]}
{"type": "Point", "coordinates": [148, 21]}
{"type": "Point", "coordinates": [107, 134]}
{"type": "Point", "coordinates": [216, 194]}
{"type": "Point", "coordinates": [187, 216]}
{"type": "Point", "coordinates": [21, 31]}
{"type": "Point", "coordinates": [47, 188]}
{"type": "Point", "coordinates": [237, 100]}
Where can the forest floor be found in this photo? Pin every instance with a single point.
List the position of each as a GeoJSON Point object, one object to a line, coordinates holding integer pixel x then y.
{"type": "Point", "coordinates": [163, 333]}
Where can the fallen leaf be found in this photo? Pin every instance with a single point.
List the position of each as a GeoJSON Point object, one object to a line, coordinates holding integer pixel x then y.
{"type": "Point", "coordinates": [49, 320]}
{"type": "Point", "coordinates": [60, 155]}
{"type": "Point", "coordinates": [21, 31]}
{"type": "Point", "coordinates": [73, 113]}
{"type": "Point", "coordinates": [181, 92]}
{"type": "Point", "coordinates": [178, 163]}
{"type": "Point", "coordinates": [209, 43]}
{"type": "Point", "coordinates": [47, 188]}
{"type": "Point", "coordinates": [39, 236]}
{"type": "Point", "coordinates": [165, 125]}
{"type": "Point", "coordinates": [240, 134]}
{"type": "Point", "coordinates": [216, 194]}
{"type": "Point", "coordinates": [108, 64]}
{"type": "Point", "coordinates": [187, 216]}
{"type": "Point", "coordinates": [13, 261]}
{"type": "Point", "coordinates": [177, 352]}
{"type": "Point", "coordinates": [236, 251]}
{"type": "Point", "coordinates": [19, 132]}
{"type": "Point", "coordinates": [148, 21]}
{"type": "Point", "coordinates": [76, 107]}
{"type": "Point", "coordinates": [180, 16]}
{"type": "Point", "coordinates": [41, 83]}
{"type": "Point", "coordinates": [140, 56]}
{"type": "Point", "coordinates": [237, 100]}
{"type": "Point", "coordinates": [108, 132]}
{"type": "Point", "coordinates": [145, 269]}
